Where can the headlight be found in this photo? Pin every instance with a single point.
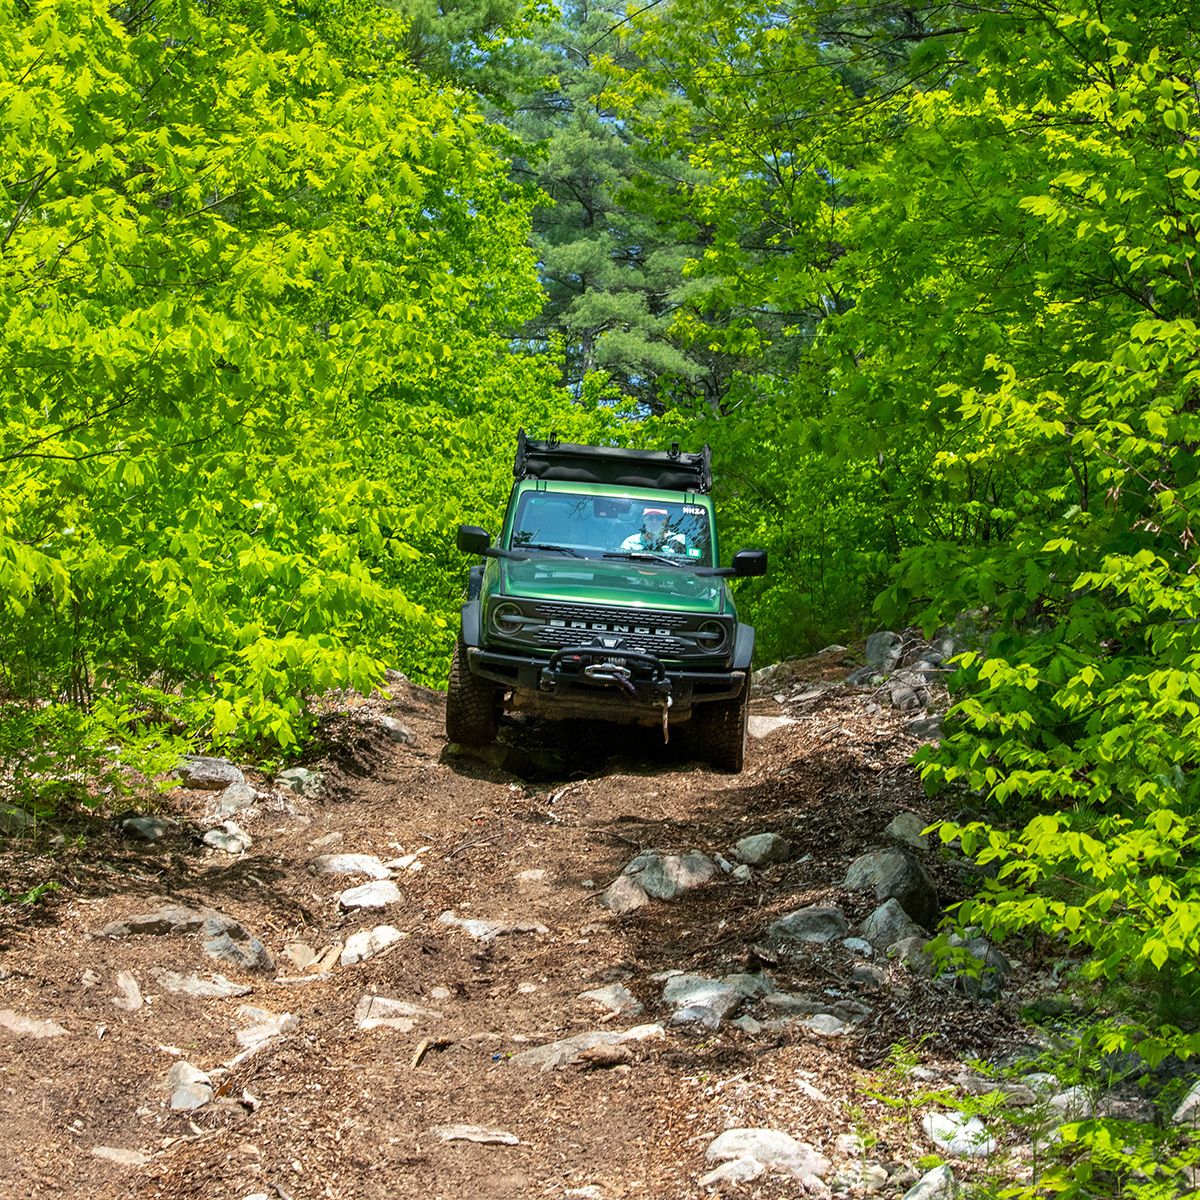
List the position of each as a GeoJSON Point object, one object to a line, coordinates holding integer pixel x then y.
{"type": "Point", "coordinates": [711, 636]}
{"type": "Point", "coordinates": [507, 619]}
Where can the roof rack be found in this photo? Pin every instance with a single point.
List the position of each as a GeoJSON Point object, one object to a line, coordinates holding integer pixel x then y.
{"type": "Point", "coordinates": [670, 469]}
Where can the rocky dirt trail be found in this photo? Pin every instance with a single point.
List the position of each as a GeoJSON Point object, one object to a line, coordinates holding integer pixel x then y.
{"type": "Point", "coordinates": [402, 971]}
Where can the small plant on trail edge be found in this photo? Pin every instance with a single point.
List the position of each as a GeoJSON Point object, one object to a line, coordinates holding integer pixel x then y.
{"type": "Point", "coordinates": [32, 896]}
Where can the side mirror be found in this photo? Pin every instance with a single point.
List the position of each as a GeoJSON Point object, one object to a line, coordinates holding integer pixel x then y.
{"type": "Point", "coordinates": [472, 539]}
{"type": "Point", "coordinates": [750, 562]}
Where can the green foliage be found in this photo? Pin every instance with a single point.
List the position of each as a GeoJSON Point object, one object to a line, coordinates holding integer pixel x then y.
{"type": "Point", "coordinates": [225, 229]}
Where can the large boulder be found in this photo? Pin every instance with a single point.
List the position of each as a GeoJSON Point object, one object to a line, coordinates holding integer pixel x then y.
{"type": "Point", "coordinates": [894, 874]}
{"type": "Point", "coordinates": [884, 650]}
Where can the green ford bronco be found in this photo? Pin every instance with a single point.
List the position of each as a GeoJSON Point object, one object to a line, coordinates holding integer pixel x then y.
{"type": "Point", "coordinates": [602, 599]}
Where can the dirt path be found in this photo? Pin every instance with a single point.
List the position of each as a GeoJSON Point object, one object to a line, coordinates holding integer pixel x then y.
{"type": "Point", "coordinates": [328, 1109]}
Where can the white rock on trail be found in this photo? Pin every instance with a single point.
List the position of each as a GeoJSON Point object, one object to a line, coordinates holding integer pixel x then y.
{"type": "Point", "coordinates": [952, 1133]}
{"type": "Point", "coordinates": [773, 1150]}
{"type": "Point", "coordinates": [938, 1184]}
{"type": "Point", "coordinates": [369, 942]}
{"type": "Point", "coordinates": [380, 1012]}
{"type": "Point", "coordinates": [616, 998]}
{"type": "Point", "coordinates": [761, 727]}
{"type": "Point", "coordinates": [351, 864]}
{"type": "Point", "coordinates": [123, 1158]}
{"type": "Point", "coordinates": [475, 1133]}
{"type": "Point", "coordinates": [230, 838]}
{"type": "Point", "coordinates": [215, 987]}
{"type": "Point", "coordinates": [379, 893]}
{"type": "Point", "coordinates": [29, 1026]}
{"type": "Point", "coordinates": [566, 1051]}
{"type": "Point", "coordinates": [190, 1088]}
{"type": "Point", "coordinates": [486, 931]}
{"type": "Point", "coordinates": [130, 999]}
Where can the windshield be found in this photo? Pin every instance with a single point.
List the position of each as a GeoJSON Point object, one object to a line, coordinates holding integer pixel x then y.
{"type": "Point", "coordinates": [596, 526]}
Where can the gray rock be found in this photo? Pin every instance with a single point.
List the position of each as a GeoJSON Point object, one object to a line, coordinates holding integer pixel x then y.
{"type": "Point", "coordinates": [171, 918]}
{"type": "Point", "coordinates": [864, 677]}
{"type": "Point", "coordinates": [740, 873]}
{"type": "Point", "coordinates": [762, 848]}
{"type": "Point", "coordinates": [379, 893]}
{"type": "Point", "coordinates": [351, 864]}
{"type": "Point", "coordinates": [369, 942]}
{"type": "Point", "coordinates": [908, 699]}
{"type": "Point", "coordinates": [148, 829]}
{"type": "Point", "coordinates": [895, 874]}
{"type": "Point", "coordinates": [624, 894]}
{"type": "Point", "coordinates": [228, 941]}
{"type": "Point", "coordinates": [826, 1025]}
{"type": "Point", "coordinates": [867, 975]}
{"type": "Point", "coordinates": [953, 1133]}
{"type": "Point", "coordinates": [616, 998]}
{"type": "Point", "coordinates": [907, 828]}
{"type": "Point", "coordinates": [665, 876]}
{"type": "Point", "coordinates": [910, 952]}
{"type": "Point", "coordinates": [889, 924]}
{"type": "Point", "coordinates": [190, 1088]}
{"type": "Point", "coordinates": [231, 838]}
{"type": "Point", "coordinates": [1072, 1104]}
{"type": "Point", "coordinates": [928, 729]}
{"type": "Point", "coordinates": [208, 774]}
{"type": "Point", "coordinates": [1188, 1112]}
{"type": "Point", "coordinates": [236, 798]}
{"type": "Point", "coordinates": [774, 1151]}
{"type": "Point", "coordinates": [859, 946]}
{"type": "Point", "coordinates": [938, 1184]}
{"type": "Point", "coordinates": [216, 987]}
{"type": "Point", "coordinates": [300, 781]}
{"type": "Point", "coordinates": [397, 731]}
{"type": "Point", "coordinates": [986, 979]}
{"type": "Point", "coordinates": [379, 1012]}
{"type": "Point", "coordinates": [707, 1001]}
{"type": "Point", "coordinates": [759, 727]}
{"type": "Point", "coordinates": [750, 986]}
{"type": "Point", "coordinates": [15, 821]}
{"type": "Point", "coordinates": [792, 1004]}
{"type": "Point", "coordinates": [811, 924]}
{"type": "Point", "coordinates": [566, 1051]}
{"type": "Point", "coordinates": [30, 1027]}
{"type": "Point", "coordinates": [884, 650]}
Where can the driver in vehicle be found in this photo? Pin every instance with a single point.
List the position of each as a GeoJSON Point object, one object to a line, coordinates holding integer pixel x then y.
{"type": "Point", "coordinates": [656, 535]}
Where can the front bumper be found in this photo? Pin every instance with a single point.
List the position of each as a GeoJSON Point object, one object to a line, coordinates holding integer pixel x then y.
{"type": "Point", "coordinates": [592, 681]}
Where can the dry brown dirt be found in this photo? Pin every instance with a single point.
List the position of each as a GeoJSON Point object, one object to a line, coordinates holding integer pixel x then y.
{"type": "Point", "coordinates": [327, 1110]}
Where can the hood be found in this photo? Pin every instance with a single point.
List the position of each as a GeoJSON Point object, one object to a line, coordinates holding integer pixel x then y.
{"type": "Point", "coordinates": [611, 582]}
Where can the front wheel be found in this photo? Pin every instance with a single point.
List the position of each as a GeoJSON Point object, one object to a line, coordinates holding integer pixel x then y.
{"type": "Point", "coordinates": [472, 704]}
{"type": "Point", "coordinates": [719, 730]}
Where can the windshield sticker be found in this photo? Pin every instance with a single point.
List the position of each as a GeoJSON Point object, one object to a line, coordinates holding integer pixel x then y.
{"type": "Point", "coordinates": [695, 510]}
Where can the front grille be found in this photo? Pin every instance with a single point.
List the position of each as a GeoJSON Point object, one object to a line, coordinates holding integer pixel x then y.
{"type": "Point", "coordinates": [563, 625]}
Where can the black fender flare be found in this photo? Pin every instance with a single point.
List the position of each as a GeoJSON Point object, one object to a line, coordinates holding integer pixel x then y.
{"type": "Point", "coordinates": [743, 648]}
{"type": "Point", "coordinates": [472, 628]}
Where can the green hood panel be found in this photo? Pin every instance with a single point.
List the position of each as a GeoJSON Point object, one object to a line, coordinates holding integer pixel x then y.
{"type": "Point", "coordinates": [611, 582]}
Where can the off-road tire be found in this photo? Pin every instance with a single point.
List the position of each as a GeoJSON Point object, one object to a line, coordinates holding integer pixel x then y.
{"type": "Point", "coordinates": [472, 704]}
{"type": "Point", "coordinates": [719, 730]}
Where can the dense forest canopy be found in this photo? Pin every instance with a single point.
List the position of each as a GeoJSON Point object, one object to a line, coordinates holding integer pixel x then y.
{"type": "Point", "coordinates": [279, 285]}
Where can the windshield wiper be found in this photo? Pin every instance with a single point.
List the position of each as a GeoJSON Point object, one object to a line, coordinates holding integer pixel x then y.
{"type": "Point", "coordinates": [553, 549]}
{"type": "Point", "coordinates": [671, 560]}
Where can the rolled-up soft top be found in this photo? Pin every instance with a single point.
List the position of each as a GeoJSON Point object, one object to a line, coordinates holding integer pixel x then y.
{"type": "Point", "coordinates": [670, 470]}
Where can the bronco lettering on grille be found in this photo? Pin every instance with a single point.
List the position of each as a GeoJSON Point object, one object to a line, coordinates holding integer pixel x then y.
{"type": "Point", "coordinates": [609, 627]}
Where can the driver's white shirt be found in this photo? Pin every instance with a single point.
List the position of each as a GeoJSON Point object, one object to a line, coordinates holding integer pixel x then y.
{"type": "Point", "coordinates": [673, 543]}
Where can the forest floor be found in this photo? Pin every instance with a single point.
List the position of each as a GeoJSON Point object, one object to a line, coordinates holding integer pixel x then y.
{"type": "Point", "coordinates": [328, 1109]}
